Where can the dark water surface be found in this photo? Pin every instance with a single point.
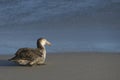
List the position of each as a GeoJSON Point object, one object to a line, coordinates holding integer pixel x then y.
{"type": "Point", "coordinates": [71, 25]}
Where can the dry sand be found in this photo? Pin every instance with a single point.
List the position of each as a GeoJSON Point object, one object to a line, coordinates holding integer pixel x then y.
{"type": "Point", "coordinates": [65, 66]}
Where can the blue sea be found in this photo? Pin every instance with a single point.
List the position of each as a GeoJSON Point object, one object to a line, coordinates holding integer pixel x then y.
{"type": "Point", "coordinates": [70, 25]}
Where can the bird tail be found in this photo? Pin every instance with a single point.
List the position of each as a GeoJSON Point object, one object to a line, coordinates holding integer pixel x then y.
{"type": "Point", "coordinates": [13, 59]}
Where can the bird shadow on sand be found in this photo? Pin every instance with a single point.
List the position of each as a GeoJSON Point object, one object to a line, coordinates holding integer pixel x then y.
{"type": "Point", "coordinates": [7, 63]}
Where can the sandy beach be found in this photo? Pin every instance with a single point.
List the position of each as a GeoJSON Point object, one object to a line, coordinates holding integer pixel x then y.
{"type": "Point", "coordinates": [65, 66]}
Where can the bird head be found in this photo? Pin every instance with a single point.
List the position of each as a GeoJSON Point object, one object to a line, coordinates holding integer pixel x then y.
{"type": "Point", "coordinates": [43, 42]}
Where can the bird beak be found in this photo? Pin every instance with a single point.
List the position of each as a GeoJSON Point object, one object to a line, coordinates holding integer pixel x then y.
{"type": "Point", "coordinates": [48, 43]}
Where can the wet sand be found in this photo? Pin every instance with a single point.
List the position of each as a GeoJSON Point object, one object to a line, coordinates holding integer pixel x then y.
{"type": "Point", "coordinates": [65, 66]}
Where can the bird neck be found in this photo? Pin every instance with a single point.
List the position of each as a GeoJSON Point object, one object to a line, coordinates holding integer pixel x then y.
{"type": "Point", "coordinates": [42, 48]}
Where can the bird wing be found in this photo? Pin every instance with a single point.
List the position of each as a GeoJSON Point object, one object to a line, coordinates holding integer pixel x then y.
{"type": "Point", "coordinates": [27, 54]}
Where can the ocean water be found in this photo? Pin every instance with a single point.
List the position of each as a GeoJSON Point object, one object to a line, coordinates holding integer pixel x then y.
{"type": "Point", "coordinates": [70, 25]}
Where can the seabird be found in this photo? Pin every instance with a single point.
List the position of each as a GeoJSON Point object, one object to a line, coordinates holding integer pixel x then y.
{"type": "Point", "coordinates": [30, 56]}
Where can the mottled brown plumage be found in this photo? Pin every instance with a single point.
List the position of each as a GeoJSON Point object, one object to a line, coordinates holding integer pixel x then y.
{"type": "Point", "coordinates": [30, 56]}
